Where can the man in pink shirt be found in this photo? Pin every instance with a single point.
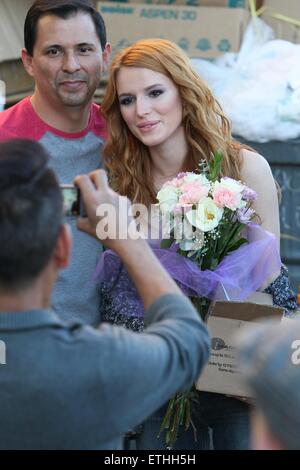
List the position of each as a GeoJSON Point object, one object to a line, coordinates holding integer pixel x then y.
{"type": "Point", "coordinates": [66, 52]}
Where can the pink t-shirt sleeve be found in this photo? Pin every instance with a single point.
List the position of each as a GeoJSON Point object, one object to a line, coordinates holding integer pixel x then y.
{"type": "Point", "coordinates": [20, 121]}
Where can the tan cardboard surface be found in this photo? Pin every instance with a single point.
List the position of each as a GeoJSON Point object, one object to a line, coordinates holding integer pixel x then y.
{"type": "Point", "coordinates": [202, 3]}
{"type": "Point", "coordinates": [221, 375]}
{"type": "Point", "coordinates": [226, 321]}
{"type": "Point", "coordinates": [12, 17]}
{"type": "Point", "coordinates": [201, 31]}
{"type": "Point", "coordinates": [283, 30]}
{"type": "Point", "coordinates": [15, 77]}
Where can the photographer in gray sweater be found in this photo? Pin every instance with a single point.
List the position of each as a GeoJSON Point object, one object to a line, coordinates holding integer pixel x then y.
{"type": "Point", "coordinates": [70, 386]}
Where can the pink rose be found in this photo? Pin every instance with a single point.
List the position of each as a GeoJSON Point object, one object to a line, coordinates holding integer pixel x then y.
{"type": "Point", "coordinates": [175, 182]}
{"type": "Point", "coordinates": [226, 197]}
{"type": "Point", "coordinates": [193, 193]}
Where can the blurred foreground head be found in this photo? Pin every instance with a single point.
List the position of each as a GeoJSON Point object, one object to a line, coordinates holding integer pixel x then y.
{"type": "Point", "coordinates": [270, 360]}
{"type": "Point", "coordinates": [30, 213]}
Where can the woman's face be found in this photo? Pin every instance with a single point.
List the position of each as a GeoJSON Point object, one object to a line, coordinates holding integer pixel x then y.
{"type": "Point", "coordinates": [150, 105]}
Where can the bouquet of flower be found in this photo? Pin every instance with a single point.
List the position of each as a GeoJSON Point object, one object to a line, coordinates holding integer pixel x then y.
{"type": "Point", "coordinates": [207, 215]}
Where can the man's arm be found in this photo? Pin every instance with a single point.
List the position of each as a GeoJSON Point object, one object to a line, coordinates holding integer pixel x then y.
{"type": "Point", "coordinates": [150, 278]}
{"type": "Point", "coordinates": [141, 371]}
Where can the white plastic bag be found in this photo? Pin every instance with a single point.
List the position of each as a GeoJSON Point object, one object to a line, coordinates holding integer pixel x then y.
{"type": "Point", "coordinates": [258, 88]}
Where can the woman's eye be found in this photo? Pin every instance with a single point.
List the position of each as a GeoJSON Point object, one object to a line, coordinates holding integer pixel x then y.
{"type": "Point", "coordinates": [126, 101]}
{"type": "Point", "coordinates": [155, 93]}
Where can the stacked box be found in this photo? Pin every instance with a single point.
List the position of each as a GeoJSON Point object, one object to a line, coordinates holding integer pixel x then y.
{"type": "Point", "coordinates": [205, 32]}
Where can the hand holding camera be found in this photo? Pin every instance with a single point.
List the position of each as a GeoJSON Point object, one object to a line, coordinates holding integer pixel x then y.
{"type": "Point", "coordinates": [72, 201]}
{"type": "Point", "coordinates": [95, 193]}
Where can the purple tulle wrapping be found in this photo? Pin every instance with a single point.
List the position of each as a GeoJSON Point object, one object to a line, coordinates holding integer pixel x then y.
{"type": "Point", "coordinates": [235, 278]}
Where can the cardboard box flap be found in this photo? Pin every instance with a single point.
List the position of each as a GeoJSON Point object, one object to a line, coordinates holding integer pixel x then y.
{"type": "Point", "coordinates": [246, 311]}
{"type": "Point", "coordinates": [228, 320]}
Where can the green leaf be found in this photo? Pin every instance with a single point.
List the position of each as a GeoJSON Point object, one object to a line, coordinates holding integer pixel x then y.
{"type": "Point", "coordinates": [167, 418]}
{"type": "Point", "coordinates": [166, 243]}
{"type": "Point", "coordinates": [215, 166]}
{"type": "Point", "coordinates": [237, 244]}
{"type": "Point", "coordinates": [214, 263]}
{"type": "Point", "coordinates": [182, 253]}
{"type": "Point", "coordinates": [187, 416]}
{"type": "Point", "coordinates": [182, 404]}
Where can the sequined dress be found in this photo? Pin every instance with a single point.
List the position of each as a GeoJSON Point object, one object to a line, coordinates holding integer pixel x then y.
{"type": "Point", "coordinates": [121, 304]}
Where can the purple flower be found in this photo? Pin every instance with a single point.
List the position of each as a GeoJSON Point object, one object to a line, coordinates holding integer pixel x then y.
{"type": "Point", "coordinates": [182, 174]}
{"type": "Point", "coordinates": [248, 194]}
{"type": "Point", "coordinates": [245, 215]}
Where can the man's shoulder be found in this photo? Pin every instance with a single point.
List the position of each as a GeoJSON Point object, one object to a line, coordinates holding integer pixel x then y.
{"type": "Point", "coordinates": [98, 123]}
{"type": "Point", "coordinates": [20, 122]}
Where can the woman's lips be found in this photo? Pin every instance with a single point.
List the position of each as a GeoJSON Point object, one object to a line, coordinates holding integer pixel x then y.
{"type": "Point", "coordinates": [147, 126]}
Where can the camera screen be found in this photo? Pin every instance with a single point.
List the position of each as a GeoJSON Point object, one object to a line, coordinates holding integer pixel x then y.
{"type": "Point", "coordinates": [71, 201]}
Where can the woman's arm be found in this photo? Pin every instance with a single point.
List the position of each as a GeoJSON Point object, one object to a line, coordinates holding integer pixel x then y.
{"type": "Point", "coordinates": [256, 173]}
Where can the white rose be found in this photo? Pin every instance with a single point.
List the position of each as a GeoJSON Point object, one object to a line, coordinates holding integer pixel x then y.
{"type": "Point", "coordinates": [168, 198]}
{"type": "Point", "coordinates": [231, 184]}
{"type": "Point", "coordinates": [207, 215]}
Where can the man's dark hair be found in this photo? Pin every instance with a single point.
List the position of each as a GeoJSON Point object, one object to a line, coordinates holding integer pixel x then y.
{"type": "Point", "coordinates": [30, 212]}
{"type": "Point", "coordinates": [62, 9]}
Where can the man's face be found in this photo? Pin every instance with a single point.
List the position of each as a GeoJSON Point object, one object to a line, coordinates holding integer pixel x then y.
{"type": "Point", "coordinates": [67, 60]}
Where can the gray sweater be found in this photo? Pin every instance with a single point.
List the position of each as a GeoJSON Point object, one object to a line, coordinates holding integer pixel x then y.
{"type": "Point", "coordinates": [75, 296]}
{"type": "Point", "coordinates": [69, 386]}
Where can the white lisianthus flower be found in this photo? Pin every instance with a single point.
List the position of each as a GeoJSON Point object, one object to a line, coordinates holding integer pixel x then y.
{"type": "Point", "coordinates": [168, 198]}
{"type": "Point", "coordinates": [207, 215]}
{"type": "Point", "coordinates": [234, 185]}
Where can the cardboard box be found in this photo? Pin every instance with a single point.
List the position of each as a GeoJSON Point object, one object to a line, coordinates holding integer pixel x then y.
{"type": "Point", "coordinates": [16, 79]}
{"type": "Point", "coordinates": [205, 32]}
{"type": "Point", "coordinates": [199, 3]}
{"type": "Point", "coordinates": [283, 30]}
{"type": "Point", "coordinates": [194, 3]}
{"type": "Point", "coordinates": [226, 320]}
{"type": "Point", "coordinates": [12, 14]}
